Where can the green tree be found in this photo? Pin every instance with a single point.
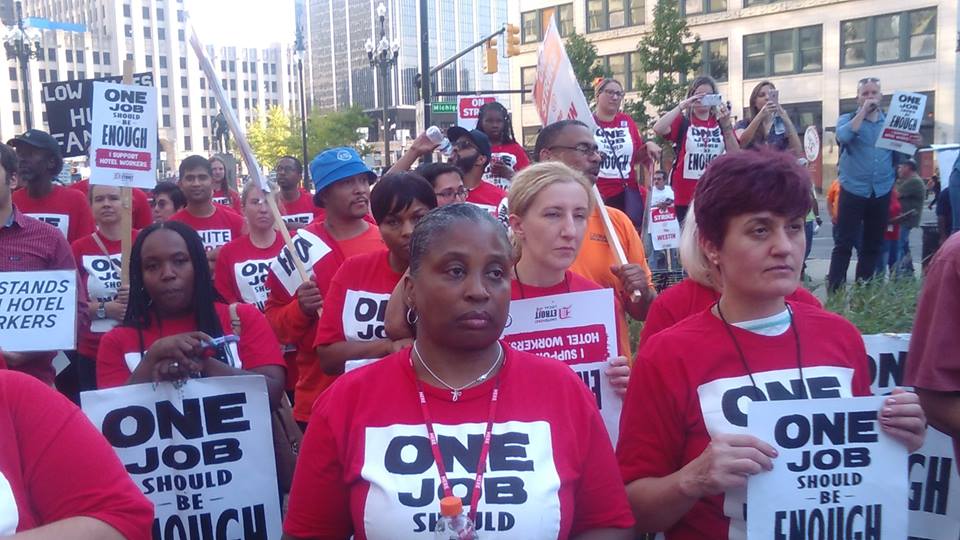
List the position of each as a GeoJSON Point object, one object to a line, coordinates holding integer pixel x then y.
{"type": "Point", "coordinates": [279, 134]}
{"type": "Point", "coordinates": [671, 52]}
{"type": "Point", "coordinates": [583, 57]}
{"type": "Point", "coordinates": [337, 128]}
{"type": "Point", "coordinates": [273, 138]}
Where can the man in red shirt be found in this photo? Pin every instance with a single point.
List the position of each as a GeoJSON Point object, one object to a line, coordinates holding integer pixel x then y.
{"type": "Point", "coordinates": [471, 154]}
{"type": "Point", "coordinates": [296, 203]}
{"type": "Point", "coordinates": [40, 162]}
{"type": "Point", "coordinates": [28, 244]}
{"type": "Point", "coordinates": [216, 224]}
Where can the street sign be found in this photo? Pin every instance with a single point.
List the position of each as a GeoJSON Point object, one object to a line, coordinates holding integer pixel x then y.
{"type": "Point", "coordinates": [443, 107]}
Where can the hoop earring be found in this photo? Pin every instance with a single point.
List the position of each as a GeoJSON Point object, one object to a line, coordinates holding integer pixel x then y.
{"type": "Point", "coordinates": [412, 320]}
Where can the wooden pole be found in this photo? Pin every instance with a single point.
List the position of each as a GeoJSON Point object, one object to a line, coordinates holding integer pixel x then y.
{"type": "Point", "coordinates": [612, 237]}
{"type": "Point", "coordinates": [126, 206]}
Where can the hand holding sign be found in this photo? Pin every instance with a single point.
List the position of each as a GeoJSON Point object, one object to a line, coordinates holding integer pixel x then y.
{"type": "Point", "coordinates": [619, 374]}
{"type": "Point", "coordinates": [309, 298]}
{"type": "Point", "coordinates": [633, 277]}
{"type": "Point", "coordinates": [725, 464]}
{"type": "Point", "coordinates": [171, 358]}
{"type": "Point", "coordinates": [903, 419]}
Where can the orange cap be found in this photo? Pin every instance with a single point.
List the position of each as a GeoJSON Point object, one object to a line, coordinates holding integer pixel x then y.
{"type": "Point", "coordinates": [451, 506]}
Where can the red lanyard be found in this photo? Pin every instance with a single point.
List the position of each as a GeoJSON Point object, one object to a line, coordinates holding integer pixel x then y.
{"type": "Point", "coordinates": [435, 447]}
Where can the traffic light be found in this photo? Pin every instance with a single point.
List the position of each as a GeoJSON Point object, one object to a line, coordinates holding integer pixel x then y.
{"type": "Point", "coordinates": [490, 56]}
{"type": "Point", "coordinates": [512, 39]}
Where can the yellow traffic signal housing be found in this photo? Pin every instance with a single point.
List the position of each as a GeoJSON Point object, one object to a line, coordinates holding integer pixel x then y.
{"type": "Point", "coordinates": [490, 56]}
{"type": "Point", "coordinates": [512, 39]}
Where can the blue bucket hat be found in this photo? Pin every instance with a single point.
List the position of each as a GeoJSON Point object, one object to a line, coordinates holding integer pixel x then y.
{"type": "Point", "coordinates": [335, 164]}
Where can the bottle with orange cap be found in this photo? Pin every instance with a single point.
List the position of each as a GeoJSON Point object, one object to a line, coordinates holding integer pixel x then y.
{"type": "Point", "coordinates": [453, 523]}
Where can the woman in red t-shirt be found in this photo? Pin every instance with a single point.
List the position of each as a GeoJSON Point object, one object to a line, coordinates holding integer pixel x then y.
{"type": "Point", "coordinates": [623, 150]}
{"type": "Point", "coordinates": [387, 438]}
{"type": "Point", "coordinates": [507, 157]}
{"type": "Point", "coordinates": [699, 133]}
{"type": "Point", "coordinates": [351, 327]}
{"type": "Point", "coordinates": [59, 478]}
{"type": "Point", "coordinates": [698, 291]}
{"type": "Point", "coordinates": [549, 205]}
{"type": "Point", "coordinates": [222, 193]}
{"type": "Point", "coordinates": [98, 261]}
{"type": "Point", "coordinates": [685, 452]}
{"type": "Point", "coordinates": [173, 316]}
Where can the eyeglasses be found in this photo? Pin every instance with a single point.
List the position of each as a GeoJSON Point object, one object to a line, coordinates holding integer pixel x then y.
{"type": "Point", "coordinates": [450, 193]}
{"type": "Point", "coordinates": [584, 148]}
{"type": "Point", "coordinates": [616, 94]}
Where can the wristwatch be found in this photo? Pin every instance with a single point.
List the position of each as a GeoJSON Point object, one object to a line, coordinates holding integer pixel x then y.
{"type": "Point", "coordinates": [102, 310]}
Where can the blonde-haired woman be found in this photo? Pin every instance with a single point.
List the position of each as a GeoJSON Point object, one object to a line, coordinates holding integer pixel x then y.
{"type": "Point", "coordinates": [698, 291]}
{"type": "Point", "coordinates": [549, 206]}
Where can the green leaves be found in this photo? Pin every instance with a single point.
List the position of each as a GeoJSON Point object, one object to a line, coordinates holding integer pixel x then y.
{"type": "Point", "coordinates": [585, 62]}
{"type": "Point", "coordinates": [279, 134]}
{"type": "Point", "coordinates": [878, 306]}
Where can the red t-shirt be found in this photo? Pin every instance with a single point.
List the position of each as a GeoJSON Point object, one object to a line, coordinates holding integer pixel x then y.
{"type": "Point", "coordinates": [486, 196]}
{"type": "Point", "coordinates": [142, 216]}
{"type": "Point", "coordinates": [55, 465]}
{"type": "Point", "coordinates": [623, 148]}
{"type": "Point", "coordinates": [893, 229]}
{"type": "Point", "coordinates": [230, 199]}
{"type": "Point", "coordinates": [66, 209]}
{"type": "Point", "coordinates": [120, 351]}
{"type": "Point", "coordinates": [102, 278]}
{"type": "Point", "coordinates": [242, 269]}
{"type": "Point", "coordinates": [702, 143]}
{"type": "Point", "coordinates": [215, 231]}
{"type": "Point", "coordinates": [681, 395]}
{"type": "Point", "coordinates": [511, 155]}
{"type": "Point", "coordinates": [571, 283]}
{"type": "Point", "coordinates": [302, 211]}
{"type": "Point", "coordinates": [366, 469]}
{"type": "Point", "coordinates": [356, 301]}
{"type": "Point", "coordinates": [293, 326]}
{"type": "Point", "coordinates": [689, 297]}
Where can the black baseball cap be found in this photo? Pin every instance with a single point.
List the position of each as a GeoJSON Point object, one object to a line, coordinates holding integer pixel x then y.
{"type": "Point", "coordinates": [479, 138]}
{"type": "Point", "coordinates": [37, 139]}
{"type": "Point", "coordinates": [910, 163]}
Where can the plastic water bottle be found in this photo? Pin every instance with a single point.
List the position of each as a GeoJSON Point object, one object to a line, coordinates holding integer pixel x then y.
{"type": "Point", "coordinates": [453, 523]}
{"type": "Point", "coordinates": [436, 136]}
{"type": "Point", "coordinates": [778, 126]}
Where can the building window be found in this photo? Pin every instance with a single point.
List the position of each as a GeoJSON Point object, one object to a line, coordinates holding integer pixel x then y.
{"type": "Point", "coordinates": [186, 120]}
{"type": "Point", "coordinates": [146, 13]}
{"type": "Point", "coordinates": [527, 76]}
{"type": "Point", "coordinates": [797, 50]}
{"type": "Point", "coordinates": [126, 10]}
{"type": "Point", "coordinates": [81, 75]}
{"type": "Point", "coordinates": [163, 81]}
{"type": "Point", "coordinates": [160, 13]}
{"type": "Point", "coordinates": [16, 118]}
{"type": "Point", "coordinates": [39, 53]}
{"type": "Point", "coordinates": [233, 66]}
{"type": "Point", "coordinates": [43, 74]}
{"type": "Point", "coordinates": [183, 83]}
{"type": "Point", "coordinates": [204, 121]}
{"type": "Point", "coordinates": [54, 76]}
{"type": "Point", "coordinates": [183, 62]}
{"type": "Point", "coordinates": [163, 62]}
{"type": "Point", "coordinates": [52, 54]}
{"type": "Point", "coordinates": [184, 101]}
{"type": "Point", "coordinates": [106, 58]}
{"type": "Point", "coordinates": [532, 22]}
{"type": "Point", "coordinates": [884, 39]}
{"type": "Point", "coordinates": [15, 95]}
{"type": "Point", "coordinates": [181, 36]}
{"type": "Point", "coordinates": [607, 14]}
{"type": "Point", "coordinates": [699, 7]}
{"type": "Point", "coordinates": [206, 141]}
{"type": "Point", "coordinates": [146, 32]}
{"type": "Point", "coordinates": [69, 55]}
{"type": "Point", "coordinates": [148, 60]}
{"type": "Point", "coordinates": [80, 59]}
{"type": "Point", "coordinates": [243, 66]}
{"type": "Point", "coordinates": [203, 83]}
{"type": "Point", "coordinates": [96, 57]}
{"type": "Point", "coordinates": [161, 33]}
{"type": "Point", "coordinates": [164, 101]}
{"type": "Point", "coordinates": [714, 60]}
{"type": "Point", "coordinates": [166, 120]}
{"type": "Point", "coordinates": [187, 143]}
{"type": "Point", "coordinates": [203, 102]}
{"type": "Point", "coordinates": [13, 73]}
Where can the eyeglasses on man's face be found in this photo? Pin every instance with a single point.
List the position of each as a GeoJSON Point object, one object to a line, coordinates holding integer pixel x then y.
{"type": "Point", "coordinates": [584, 148]}
{"type": "Point", "coordinates": [451, 193]}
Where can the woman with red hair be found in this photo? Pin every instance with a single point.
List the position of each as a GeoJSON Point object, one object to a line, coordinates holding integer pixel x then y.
{"type": "Point", "coordinates": [684, 451]}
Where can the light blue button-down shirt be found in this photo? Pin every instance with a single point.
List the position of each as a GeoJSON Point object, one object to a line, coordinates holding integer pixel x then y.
{"type": "Point", "coordinates": [865, 170]}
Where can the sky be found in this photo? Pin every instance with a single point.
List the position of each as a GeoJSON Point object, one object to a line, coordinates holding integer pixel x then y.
{"type": "Point", "coordinates": [249, 23]}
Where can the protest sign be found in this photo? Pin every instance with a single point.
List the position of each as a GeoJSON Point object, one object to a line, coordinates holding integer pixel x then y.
{"type": "Point", "coordinates": [934, 481]}
{"type": "Point", "coordinates": [69, 114]}
{"type": "Point", "coordinates": [468, 110]}
{"type": "Point", "coordinates": [556, 92]}
{"type": "Point", "coordinates": [837, 475]}
{"type": "Point", "coordinates": [123, 145]}
{"type": "Point", "coordinates": [578, 329]}
{"type": "Point", "coordinates": [202, 453]}
{"type": "Point", "coordinates": [811, 143]}
{"type": "Point", "coordinates": [38, 310]}
{"type": "Point", "coordinates": [664, 228]}
{"type": "Point", "coordinates": [902, 122]}
{"type": "Point", "coordinates": [309, 249]}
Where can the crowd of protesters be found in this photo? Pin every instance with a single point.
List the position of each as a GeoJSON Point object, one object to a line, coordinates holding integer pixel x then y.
{"type": "Point", "coordinates": [441, 250]}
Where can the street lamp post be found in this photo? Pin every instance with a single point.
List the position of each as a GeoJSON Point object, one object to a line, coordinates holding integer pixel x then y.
{"type": "Point", "coordinates": [22, 43]}
{"type": "Point", "coordinates": [383, 56]}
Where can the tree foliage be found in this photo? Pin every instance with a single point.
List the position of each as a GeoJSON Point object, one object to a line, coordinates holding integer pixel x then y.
{"type": "Point", "coordinates": [670, 52]}
{"type": "Point", "coordinates": [279, 134]}
{"type": "Point", "coordinates": [583, 57]}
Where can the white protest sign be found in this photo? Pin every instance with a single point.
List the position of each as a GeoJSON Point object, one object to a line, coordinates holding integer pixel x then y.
{"type": "Point", "coordinates": [468, 110]}
{"type": "Point", "coordinates": [556, 93]}
{"type": "Point", "coordinates": [103, 281]}
{"type": "Point", "coordinates": [934, 481]}
{"type": "Point", "coordinates": [946, 155]}
{"type": "Point", "coordinates": [202, 453]}
{"type": "Point", "coordinates": [578, 329]}
{"type": "Point", "coordinates": [38, 310]}
{"type": "Point", "coordinates": [309, 249]}
{"type": "Point", "coordinates": [902, 122]}
{"type": "Point", "coordinates": [837, 474]}
{"type": "Point", "coordinates": [251, 276]}
{"type": "Point", "coordinates": [811, 143]}
{"type": "Point", "coordinates": [123, 142]}
{"type": "Point", "coordinates": [664, 228]}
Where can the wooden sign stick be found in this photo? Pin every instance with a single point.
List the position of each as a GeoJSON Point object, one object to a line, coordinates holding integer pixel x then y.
{"type": "Point", "coordinates": [126, 206]}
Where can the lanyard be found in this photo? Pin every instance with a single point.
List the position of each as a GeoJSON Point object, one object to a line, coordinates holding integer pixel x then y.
{"type": "Point", "coordinates": [435, 447]}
